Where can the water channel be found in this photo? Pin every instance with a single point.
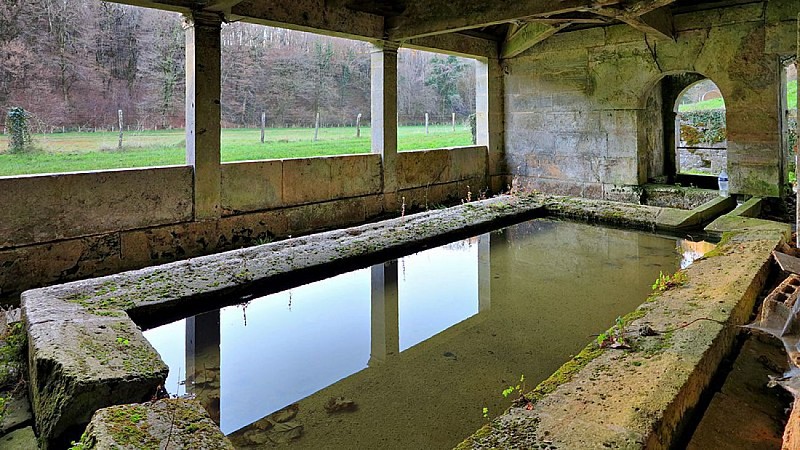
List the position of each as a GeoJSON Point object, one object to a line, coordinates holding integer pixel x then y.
{"type": "Point", "coordinates": [406, 354]}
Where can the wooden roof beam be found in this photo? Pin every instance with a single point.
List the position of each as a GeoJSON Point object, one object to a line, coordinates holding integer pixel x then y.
{"type": "Point", "coordinates": [423, 19]}
{"type": "Point", "coordinates": [657, 23]}
{"type": "Point", "coordinates": [526, 36]}
{"type": "Point", "coordinates": [315, 16]}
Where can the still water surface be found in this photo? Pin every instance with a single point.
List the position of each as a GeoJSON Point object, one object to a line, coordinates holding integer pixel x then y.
{"type": "Point", "coordinates": [406, 354]}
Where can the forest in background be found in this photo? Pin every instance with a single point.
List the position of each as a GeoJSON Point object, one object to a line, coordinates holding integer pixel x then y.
{"type": "Point", "coordinates": [73, 64]}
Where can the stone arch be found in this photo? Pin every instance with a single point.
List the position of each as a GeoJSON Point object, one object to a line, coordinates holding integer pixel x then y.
{"type": "Point", "coordinates": [656, 125]}
{"type": "Point", "coordinates": [700, 135]}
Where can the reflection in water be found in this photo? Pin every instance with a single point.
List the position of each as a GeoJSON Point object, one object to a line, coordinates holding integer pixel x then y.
{"type": "Point", "coordinates": [691, 251]}
{"type": "Point", "coordinates": [405, 354]}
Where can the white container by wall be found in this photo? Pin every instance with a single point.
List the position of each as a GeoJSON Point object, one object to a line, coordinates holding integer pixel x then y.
{"type": "Point", "coordinates": [722, 180]}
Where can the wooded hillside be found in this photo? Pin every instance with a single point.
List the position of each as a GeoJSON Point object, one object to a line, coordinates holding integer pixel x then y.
{"type": "Point", "coordinates": [75, 63]}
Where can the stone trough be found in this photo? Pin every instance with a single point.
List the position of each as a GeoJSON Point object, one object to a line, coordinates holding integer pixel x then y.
{"type": "Point", "coordinates": [87, 352]}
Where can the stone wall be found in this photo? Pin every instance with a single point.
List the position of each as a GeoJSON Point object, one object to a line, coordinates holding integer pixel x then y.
{"type": "Point", "coordinates": [710, 161]}
{"type": "Point", "coordinates": [581, 107]}
{"type": "Point", "coordinates": [65, 227]}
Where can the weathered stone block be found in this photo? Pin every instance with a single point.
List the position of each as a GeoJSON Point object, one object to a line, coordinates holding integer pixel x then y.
{"type": "Point", "coordinates": [355, 175]}
{"type": "Point", "coordinates": [23, 439]}
{"type": "Point", "coordinates": [620, 73]}
{"type": "Point", "coordinates": [681, 55]}
{"type": "Point", "coordinates": [247, 229]}
{"type": "Point", "coordinates": [467, 162]}
{"type": "Point", "coordinates": [169, 424]}
{"type": "Point", "coordinates": [251, 186]}
{"type": "Point", "coordinates": [620, 171]}
{"type": "Point", "coordinates": [82, 359]}
{"type": "Point", "coordinates": [626, 194]}
{"type": "Point", "coordinates": [306, 218]}
{"type": "Point", "coordinates": [758, 180]}
{"type": "Point", "coordinates": [424, 167]}
{"type": "Point", "coordinates": [72, 205]}
{"type": "Point", "coordinates": [169, 243]}
{"type": "Point", "coordinates": [719, 17]}
{"type": "Point", "coordinates": [306, 180]}
{"type": "Point", "coordinates": [49, 263]}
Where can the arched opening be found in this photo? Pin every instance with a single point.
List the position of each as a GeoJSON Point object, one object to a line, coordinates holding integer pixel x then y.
{"type": "Point", "coordinates": [701, 138]}
{"type": "Point", "coordinates": [682, 131]}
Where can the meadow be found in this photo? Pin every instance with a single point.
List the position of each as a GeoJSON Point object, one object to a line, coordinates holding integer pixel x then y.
{"type": "Point", "coordinates": [73, 151]}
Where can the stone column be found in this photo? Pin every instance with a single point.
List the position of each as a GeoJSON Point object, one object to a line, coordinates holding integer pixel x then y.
{"type": "Point", "coordinates": [489, 119]}
{"type": "Point", "coordinates": [203, 110]}
{"type": "Point", "coordinates": [383, 66]}
{"type": "Point", "coordinates": [385, 315]}
{"type": "Point", "coordinates": [203, 361]}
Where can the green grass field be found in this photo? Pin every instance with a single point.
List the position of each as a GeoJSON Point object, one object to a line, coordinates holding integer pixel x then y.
{"type": "Point", "coordinates": [68, 152]}
{"type": "Point", "coordinates": [717, 103]}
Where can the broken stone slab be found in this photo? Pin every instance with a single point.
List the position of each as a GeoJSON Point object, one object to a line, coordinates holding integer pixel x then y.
{"type": "Point", "coordinates": [787, 263]}
{"type": "Point", "coordinates": [167, 424]}
{"type": "Point", "coordinates": [80, 362]}
{"type": "Point", "coordinates": [23, 439]}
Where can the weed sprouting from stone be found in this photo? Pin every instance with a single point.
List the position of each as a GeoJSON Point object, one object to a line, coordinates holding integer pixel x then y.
{"type": "Point", "coordinates": [667, 282]}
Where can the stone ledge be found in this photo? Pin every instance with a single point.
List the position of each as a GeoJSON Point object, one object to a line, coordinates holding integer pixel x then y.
{"type": "Point", "coordinates": [679, 219]}
{"type": "Point", "coordinates": [636, 399]}
{"type": "Point", "coordinates": [742, 220]}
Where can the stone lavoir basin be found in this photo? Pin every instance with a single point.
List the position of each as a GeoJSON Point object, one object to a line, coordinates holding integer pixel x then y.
{"type": "Point", "coordinates": [407, 353]}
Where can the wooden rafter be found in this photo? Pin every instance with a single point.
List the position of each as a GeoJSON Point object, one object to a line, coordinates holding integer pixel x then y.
{"type": "Point", "coordinates": [528, 35]}
{"type": "Point", "coordinates": [653, 20]}
{"type": "Point", "coordinates": [420, 19]}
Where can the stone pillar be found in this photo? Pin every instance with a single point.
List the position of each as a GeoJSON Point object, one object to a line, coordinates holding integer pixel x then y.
{"type": "Point", "coordinates": [385, 315]}
{"type": "Point", "coordinates": [489, 119]}
{"type": "Point", "coordinates": [484, 272]}
{"type": "Point", "coordinates": [203, 110]}
{"type": "Point", "coordinates": [203, 361]}
{"type": "Point", "coordinates": [383, 65]}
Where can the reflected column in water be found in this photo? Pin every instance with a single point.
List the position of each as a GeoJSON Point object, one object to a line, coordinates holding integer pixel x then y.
{"type": "Point", "coordinates": [203, 361]}
{"type": "Point", "coordinates": [484, 272]}
{"type": "Point", "coordinates": [385, 320]}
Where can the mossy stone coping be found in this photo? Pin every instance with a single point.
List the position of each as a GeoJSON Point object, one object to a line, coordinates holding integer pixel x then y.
{"type": "Point", "coordinates": [637, 398]}
{"type": "Point", "coordinates": [86, 351]}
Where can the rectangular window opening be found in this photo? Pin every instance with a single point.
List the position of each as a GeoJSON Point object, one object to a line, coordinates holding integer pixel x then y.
{"type": "Point", "coordinates": [435, 100]}
{"type": "Point", "coordinates": [74, 72]}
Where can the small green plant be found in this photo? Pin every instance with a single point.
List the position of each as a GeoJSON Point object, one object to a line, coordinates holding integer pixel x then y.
{"type": "Point", "coordinates": [264, 240]}
{"type": "Point", "coordinates": [123, 341]}
{"type": "Point", "coordinates": [486, 413]}
{"type": "Point", "coordinates": [614, 337]}
{"type": "Point", "coordinates": [667, 282]}
{"type": "Point", "coordinates": [521, 399]}
{"type": "Point", "coordinates": [519, 387]}
{"type": "Point", "coordinates": [136, 418]}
